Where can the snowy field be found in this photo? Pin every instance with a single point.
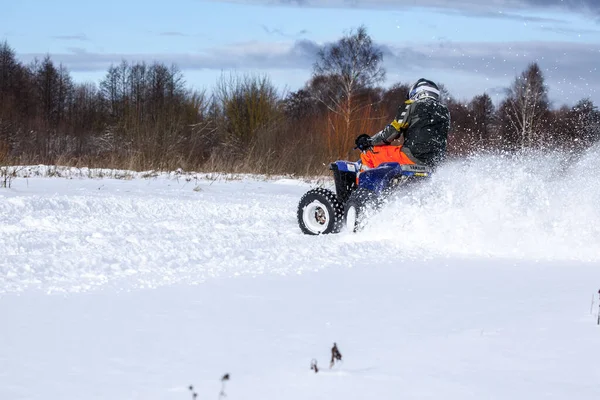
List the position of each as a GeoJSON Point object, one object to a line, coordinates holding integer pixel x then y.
{"type": "Point", "coordinates": [477, 285]}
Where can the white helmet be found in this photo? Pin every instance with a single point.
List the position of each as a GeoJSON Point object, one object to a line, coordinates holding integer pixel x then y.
{"type": "Point", "coordinates": [423, 88]}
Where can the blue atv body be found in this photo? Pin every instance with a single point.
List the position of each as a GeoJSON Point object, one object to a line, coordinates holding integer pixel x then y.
{"type": "Point", "coordinates": [322, 211]}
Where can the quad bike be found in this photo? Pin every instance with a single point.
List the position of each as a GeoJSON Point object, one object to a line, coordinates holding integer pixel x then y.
{"type": "Point", "coordinates": [321, 211]}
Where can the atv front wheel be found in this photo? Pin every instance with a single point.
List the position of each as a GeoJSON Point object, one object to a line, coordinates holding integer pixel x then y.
{"type": "Point", "coordinates": [354, 213]}
{"type": "Point", "coordinates": [319, 212]}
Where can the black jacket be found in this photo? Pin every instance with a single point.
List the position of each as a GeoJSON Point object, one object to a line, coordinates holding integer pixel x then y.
{"type": "Point", "coordinates": [425, 124]}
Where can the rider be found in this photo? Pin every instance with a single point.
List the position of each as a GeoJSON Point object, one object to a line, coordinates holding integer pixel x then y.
{"type": "Point", "coordinates": [425, 123]}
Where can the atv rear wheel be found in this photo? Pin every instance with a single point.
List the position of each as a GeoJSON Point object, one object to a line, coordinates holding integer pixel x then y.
{"type": "Point", "coordinates": [357, 204]}
{"type": "Point", "coordinates": [320, 213]}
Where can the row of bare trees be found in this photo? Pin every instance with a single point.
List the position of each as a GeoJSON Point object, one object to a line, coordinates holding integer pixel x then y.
{"type": "Point", "coordinates": [523, 120]}
{"type": "Point", "coordinates": [142, 116]}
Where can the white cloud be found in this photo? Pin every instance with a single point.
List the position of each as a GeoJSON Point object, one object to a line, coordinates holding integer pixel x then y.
{"type": "Point", "coordinates": [592, 6]}
{"type": "Point", "coordinates": [571, 66]}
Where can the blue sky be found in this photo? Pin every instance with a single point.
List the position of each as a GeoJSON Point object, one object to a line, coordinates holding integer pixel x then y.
{"type": "Point", "coordinates": [471, 46]}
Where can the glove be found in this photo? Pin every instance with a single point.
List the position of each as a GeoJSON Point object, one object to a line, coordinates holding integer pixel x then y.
{"type": "Point", "coordinates": [363, 142]}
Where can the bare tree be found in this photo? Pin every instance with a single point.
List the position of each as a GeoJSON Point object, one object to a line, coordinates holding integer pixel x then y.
{"type": "Point", "coordinates": [86, 119]}
{"type": "Point", "coordinates": [343, 69]}
{"type": "Point", "coordinates": [585, 123]}
{"type": "Point", "coordinates": [8, 69]}
{"type": "Point", "coordinates": [8, 95]}
{"type": "Point", "coordinates": [483, 118]}
{"type": "Point", "coordinates": [300, 105]}
{"type": "Point", "coordinates": [460, 139]}
{"type": "Point", "coordinates": [249, 104]}
{"type": "Point", "coordinates": [526, 107]}
{"type": "Point", "coordinates": [110, 90]}
{"type": "Point", "coordinates": [64, 92]}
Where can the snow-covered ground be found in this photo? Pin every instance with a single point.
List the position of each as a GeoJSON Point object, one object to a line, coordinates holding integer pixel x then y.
{"type": "Point", "coordinates": [478, 285]}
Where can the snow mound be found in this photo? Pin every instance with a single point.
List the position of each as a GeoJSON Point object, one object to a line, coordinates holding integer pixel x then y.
{"type": "Point", "coordinates": [537, 207]}
{"type": "Point", "coordinates": [72, 235]}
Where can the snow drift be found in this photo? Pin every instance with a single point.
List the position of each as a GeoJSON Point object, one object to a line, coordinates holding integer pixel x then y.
{"type": "Point", "coordinates": [532, 206]}
{"type": "Point", "coordinates": [78, 234]}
